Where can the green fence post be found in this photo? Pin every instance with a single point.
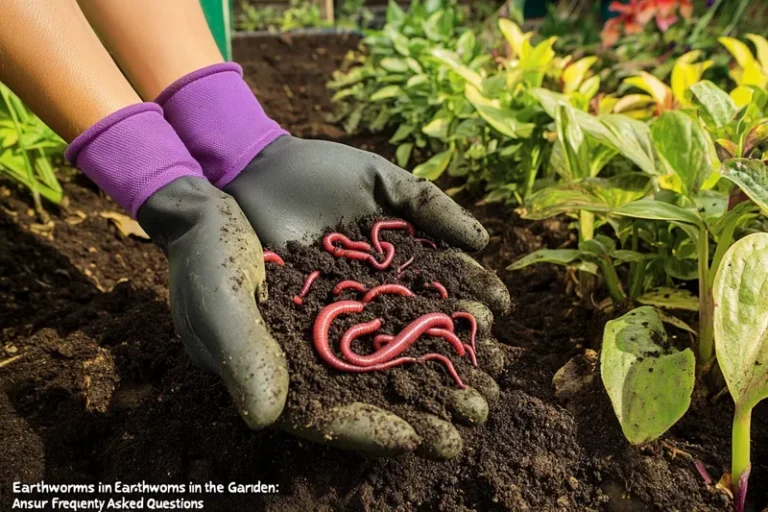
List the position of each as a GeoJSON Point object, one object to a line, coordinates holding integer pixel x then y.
{"type": "Point", "coordinates": [217, 13]}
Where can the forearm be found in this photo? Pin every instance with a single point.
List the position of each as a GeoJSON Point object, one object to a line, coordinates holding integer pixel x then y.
{"type": "Point", "coordinates": [138, 33]}
{"type": "Point", "coordinates": [53, 60]}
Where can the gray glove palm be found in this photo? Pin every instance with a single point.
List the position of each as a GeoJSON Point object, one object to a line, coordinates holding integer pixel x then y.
{"type": "Point", "coordinates": [298, 189]}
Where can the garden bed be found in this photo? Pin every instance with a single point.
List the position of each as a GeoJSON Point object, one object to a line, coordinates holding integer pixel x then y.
{"type": "Point", "coordinates": [104, 390]}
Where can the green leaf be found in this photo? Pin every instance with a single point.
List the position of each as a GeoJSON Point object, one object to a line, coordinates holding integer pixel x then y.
{"type": "Point", "coordinates": [403, 153]}
{"type": "Point", "coordinates": [628, 136]}
{"type": "Point", "coordinates": [394, 65]}
{"type": "Point", "coordinates": [751, 176]}
{"type": "Point", "coordinates": [435, 166]}
{"type": "Point", "coordinates": [556, 256]}
{"type": "Point", "coordinates": [503, 120]}
{"type": "Point", "coordinates": [401, 133]}
{"type": "Point", "coordinates": [657, 210]}
{"type": "Point", "coordinates": [670, 298]}
{"type": "Point", "coordinates": [452, 61]}
{"type": "Point", "coordinates": [598, 195]}
{"type": "Point", "coordinates": [572, 143]}
{"type": "Point", "coordinates": [438, 127]}
{"type": "Point", "coordinates": [648, 381]}
{"type": "Point", "coordinates": [716, 106]}
{"type": "Point", "coordinates": [741, 319]}
{"type": "Point", "coordinates": [390, 91]}
{"type": "Point", "coordinates": [683, 148]}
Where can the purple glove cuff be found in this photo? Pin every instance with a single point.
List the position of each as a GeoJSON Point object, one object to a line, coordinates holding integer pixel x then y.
{"type": "Point", "coordinates": [132, 153]}
{"type": "Point", "coordinates": [219, 119]}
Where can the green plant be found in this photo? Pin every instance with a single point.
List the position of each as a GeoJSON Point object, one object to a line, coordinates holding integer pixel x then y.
{"type": "Point", "coordinates": [26, 148]}
{"type": "Point", "coordinates": [299, 14]}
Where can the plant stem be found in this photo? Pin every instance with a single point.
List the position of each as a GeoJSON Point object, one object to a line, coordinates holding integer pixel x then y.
{"type": "Point", "coordinates": [636, 269]}
{"type": "Point", "coordinates": [740, 444]}
{"type": "Point", "coordinates": [612, 281]}
{"type": "Point", "coordinates": [706, 302]}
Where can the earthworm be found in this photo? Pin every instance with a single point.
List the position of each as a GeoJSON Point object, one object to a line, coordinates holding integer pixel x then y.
{"type": "Point", "coordinates": [351, 249]}
{"type": "Point", "coordinates": [320, 335]}
{"type": "Point", "coordinates": [393, 289]}
{"type": "Point", "coordinates": [311, 278]}
{"type": "Point", "coordinates": [402, 267]}
{"type": "Point", "coordinates": [273, 257]}
{"type": "Point", "coordinates": [401, 341]}
{"type": "Point", "coordinates": [389, 256]}
{"type": "Point", "coordinates": [344, 285]}
{"type": "Point", "coordinates": [389, 224]}
{"type": "Point", "coordinates": [439, 288]}
{"type": "Point", "coordinates": [382, 339]}
{"type": "Point", "coordinates": [368, 327]}
{"type": "Point", "coordinates": [426, 241]}
{"type": "Point", "coordinates": [472, 325]}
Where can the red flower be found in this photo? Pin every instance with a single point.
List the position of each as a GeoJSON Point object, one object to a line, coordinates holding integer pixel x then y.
{"type": "Point", "coordinates": [633, 16]}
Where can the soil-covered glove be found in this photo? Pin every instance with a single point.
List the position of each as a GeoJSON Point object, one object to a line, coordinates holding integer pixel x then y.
{"type": "Point", "coordinates": [215, 259]}
{"type": "Point", "coordinates": [216, 273]}
{"type": "Point", "coordinates": [298, 189]}
{"type": "Point", "coordinates": [294, 189]}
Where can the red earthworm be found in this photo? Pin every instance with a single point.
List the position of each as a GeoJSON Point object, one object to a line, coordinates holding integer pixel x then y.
{"type": "Point", "coordinates": [311, 278]}
{"type": "Point", "coordinates": [448, 365]}
{"type": "Point", "coordinates": [439, 288]}
{"type": "Point", "coordinates": [401, 341]}
{"type": "Point", "coordinates": [426, 241]}
{"type": "Point", "coordinates": [389, 224]}
{"type": "Point", "coordinates": [389, 256]}
{"type": "Point", "coordinates": [368, 327]}
{"type": "Point", "coordinates": [350, 249]}
{"type": "Point", "coordinates": [273, 257]}
{"type": "Point", "coordinates": [394, 289]}
{"type": "Point", "coordinates": [320, 335]}
{"type": "Point", "coordinates": [382, 339]}
{"type": "Point", "coordinates": [404, 266]}
{"type": "Point", "coordinates": [344, 285]}
{"type": "Point", "coordinates": [472, 324]}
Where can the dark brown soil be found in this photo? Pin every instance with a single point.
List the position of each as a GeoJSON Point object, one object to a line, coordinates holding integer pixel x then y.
{"type": "Point", "coordinates": [104, 391]}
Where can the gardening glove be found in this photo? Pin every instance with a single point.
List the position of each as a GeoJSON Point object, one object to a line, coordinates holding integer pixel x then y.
{"type": "Point", "coordinates": [216, 267]}
{"type": "Point", "coordinates": [294, 189]}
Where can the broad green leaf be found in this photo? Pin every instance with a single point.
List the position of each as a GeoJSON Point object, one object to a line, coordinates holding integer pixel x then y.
{"type": "Point", "coordinates": [403, 153]}
{"type": "Point", "coordinates": [657, 210]}
{"type": "Point", "coordinates": [503, 120]}
{"type": "Point", "coordinates": [401, 133]}
{"type": "Point", "coordinates": [549, 100]}
{"type": "Point", "coordinates": [438, 127]}
{"type": "Point", "coordinates": [648, 381]}
{"type": "Point", "coordinates": [435, 166]}
{"type": "Point", "coordinates": [751, 176]}
{"type": "Point", "coordinates": [394, 65]}
{"type": "Point", "coordinates": [628, 136]}
{"type": "Point", "coordinates": [572, 143]}
{"type": "Point", "coordinates": [717, 107]}
{"type": "Point", "coordinates": [465, 46]}
{"type": "Point", "coordinates": [683, 148]}
{"type": "Point", "coordinates": [452, 61]}
{"type": "Point", "coordinates": [540, 57]}
{"type": "Point", "coordinates": [741, 319]}
{"type": "Point", "coordinates": [598, 195]}
{"type": "Point", "coordinates": [670, 298]}
{"type": "Point", "coordinates": [556, 256]}
{"type": "Point", "coordinates": [390, 91]}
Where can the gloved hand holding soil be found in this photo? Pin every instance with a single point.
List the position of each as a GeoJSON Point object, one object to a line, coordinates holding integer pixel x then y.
{"type": "Point", "coordinates": [381, 346]}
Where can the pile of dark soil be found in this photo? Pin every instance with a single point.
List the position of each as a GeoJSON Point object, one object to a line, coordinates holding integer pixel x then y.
{"type": "Point", "coordinates": [314, 385]}
{"type": "Point", "coordinates": [104, 391]}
